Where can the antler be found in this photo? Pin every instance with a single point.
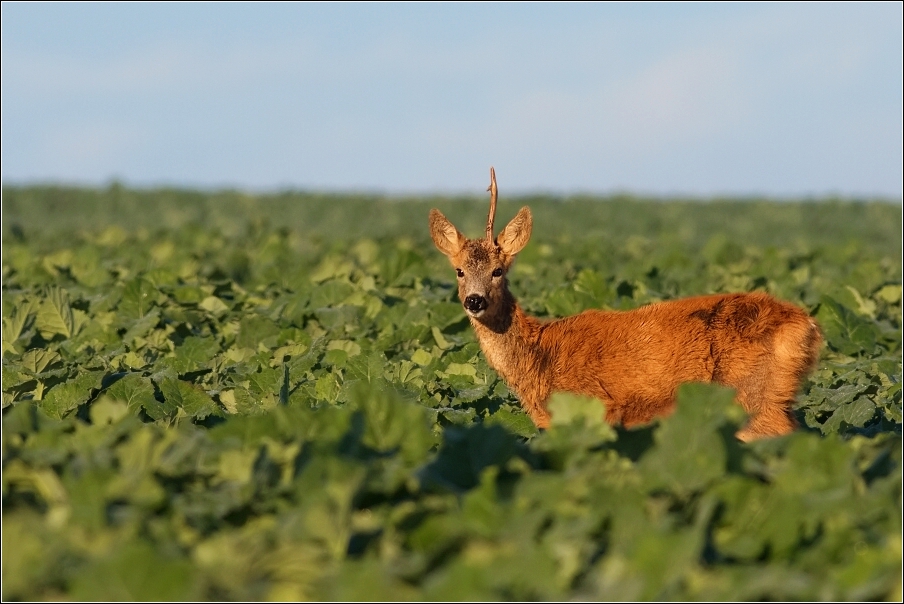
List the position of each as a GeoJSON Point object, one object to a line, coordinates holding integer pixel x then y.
{"type": "Point", "coordinates": [494, 194]}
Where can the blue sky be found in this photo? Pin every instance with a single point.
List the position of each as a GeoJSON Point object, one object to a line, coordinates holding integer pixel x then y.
{"type": "Point", "coordinates": [700, 99]}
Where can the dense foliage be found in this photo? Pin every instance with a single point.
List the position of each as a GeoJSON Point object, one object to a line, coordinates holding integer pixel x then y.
{"type": "Point", "coordinates": [223, 396]}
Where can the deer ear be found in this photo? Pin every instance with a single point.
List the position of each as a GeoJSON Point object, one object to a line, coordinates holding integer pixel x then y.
{"type": "Point", "coordinates": [514, 236]}
{"type": "Point", "coordinates": [445, 236]}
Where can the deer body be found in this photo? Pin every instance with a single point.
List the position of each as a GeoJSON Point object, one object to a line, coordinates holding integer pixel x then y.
{"type": "Point", "coordinates": [634, 360]}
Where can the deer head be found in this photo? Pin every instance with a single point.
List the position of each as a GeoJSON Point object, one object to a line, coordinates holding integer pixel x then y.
{"type": "Point", "coordinates": [482, 264]}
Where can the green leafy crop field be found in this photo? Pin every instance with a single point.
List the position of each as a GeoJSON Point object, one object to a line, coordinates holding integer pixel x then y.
{"type": "Point", "coordinates": [226, 396]}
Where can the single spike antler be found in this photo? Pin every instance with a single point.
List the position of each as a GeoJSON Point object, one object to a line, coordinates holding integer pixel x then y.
{"type": "Point", "coordinates": [494, 194]}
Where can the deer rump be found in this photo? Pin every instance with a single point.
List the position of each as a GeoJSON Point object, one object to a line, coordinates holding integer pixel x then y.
{"type": "Point", "coordinates": [634, 360]}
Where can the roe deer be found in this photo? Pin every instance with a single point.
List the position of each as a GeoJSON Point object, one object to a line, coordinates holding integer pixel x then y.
{"type": "Point", "coordinates": [634, 360]}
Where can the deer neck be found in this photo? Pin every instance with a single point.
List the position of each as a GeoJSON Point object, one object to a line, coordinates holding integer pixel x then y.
{"type": "Point", "coordinates": [509, 339]}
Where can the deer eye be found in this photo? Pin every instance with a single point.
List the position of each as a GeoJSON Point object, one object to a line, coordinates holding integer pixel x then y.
{"type": "Point", "coordinates": [459, 272]}
{"type": "Point", "coordinates": [497, 272]}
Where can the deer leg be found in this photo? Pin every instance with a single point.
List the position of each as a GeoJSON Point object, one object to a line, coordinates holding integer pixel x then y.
{"type": "Point", "coordinates": [770, 421]}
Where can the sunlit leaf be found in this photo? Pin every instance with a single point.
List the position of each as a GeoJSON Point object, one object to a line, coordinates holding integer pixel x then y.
{"type": "Point", "coordinates": [55, 314]}
{"type": "Point", "coordinates": [66, 397]}
{"type": "Point", "coordinates": [189, 398]}
{"type": "Point", "coordinates": [844, 330]}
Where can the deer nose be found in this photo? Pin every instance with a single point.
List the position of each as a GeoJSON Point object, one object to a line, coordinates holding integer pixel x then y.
{"type": "Point", "coordinates": [475, 303]}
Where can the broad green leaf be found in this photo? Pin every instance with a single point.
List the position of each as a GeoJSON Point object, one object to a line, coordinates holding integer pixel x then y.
{"type": "Point", "coordinates": [12, 377]}
{"type": "Point", "coordinates": [440, 339]}
{"type": "Point", "coordinates": [55, 314]}
{"type": "Point", "coordinates": [64, 398]}
{"type": "Point", "coordinates": [142, 327]}
{"type": "Point", "coordinates": [465, 452]}
{"type": "Point", "coordinates": [86, 267]}
{"type": "Point", "coordinates": [137, 572]}
{"type": "Point", "coordinates": [351, 348]}
{"type": "Point", "coordinates": [36, 360]}
{"type": "Point", "coordinates": [15, 323]}
{"type": "Point", "coordinates": [283, 353]}
{"type": "Point", "coordinates": [193, 354]}
{"type": "Point", "coordinates": [444, 314]}
{"type": "Point", "coordinates": [844, 330]}
{"type": "Point", "coordinates": [840, 395]}
{"type": "Point", "coordinates": [267, 381]}
{"type": "Point", "coordinates": [890, 294]}
{"type": "Point", "coordinates": [256, 331]}
{"type": "Point", "coordinates": [340, 318]}
{"type": "Point", "coordinates": [138, 393]}
{"type": "Point", "coordinates": [189, 398]}
{"type": "Point", "coordinates": [464, 369]}
{"type": "Point", "coordinates": [367, 368]}
{"type": "Point", "coordinates": [460, 417]}
{"type": "Point", "coordinates": [595, 285]}
{"type": "Point", "coordinates": [397, 263]}
{"type": "Point", "coordinates": [107, 410]}
{"type": "Point", "coordinates": [515, 422]}
{"type": "Point", "coordinates": [191, 294]}
{"type": "Point", "coordinates": [138, 297]}
{"type": "Point", "coordinates": [690, 450]}
{"type": "Point", "coordinates": [42, 482]}
{"type": "Point", "coordinates": [330, 293]}
{"type": "Point", "coordinates": [213, 305]}
{"type": "Point", "coordinates": [392, 423]}
{"type": "Point", "coordinates": [856, 413]}
{"type": "Point", "coordinates": [251, 402]}
{"type": "Point", "coordinates": [326, 388]}
{"type": "Point", "coordinates": [567, 409]}
{"type": "Point", "coordinates": [864, 306]}
{"type": "Point", "coordinates": [422, 357]}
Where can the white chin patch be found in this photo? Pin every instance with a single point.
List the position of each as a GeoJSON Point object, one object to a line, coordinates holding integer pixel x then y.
{"type": "Point", "coordinates": [477, 314]}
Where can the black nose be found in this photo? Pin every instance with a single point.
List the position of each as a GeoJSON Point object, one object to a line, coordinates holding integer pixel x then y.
{"type": "Point", "coordinates": [475, 303]}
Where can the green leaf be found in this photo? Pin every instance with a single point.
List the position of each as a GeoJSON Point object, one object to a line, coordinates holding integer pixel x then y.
{"type": "Point", "coordinates": [267, 381]}
{"type": "Point", "coordinates": [138, 393]}
{"type": "Point", "coordinates": [141, 327]}
{"type": "Point", "coordinates": [422, 357]}
{"type": "Point", "coordinates": [391, 422]}
{"type": "Point", "coordinates": [845, 331]}
{"type": "Point", "coordinates": [567, 409]}
{"type": "Point", "coordinates": [516, 422]}
{"type": "Point", "coordinates": [890, 294]}
{"type": "Point", "coordinates": [463, 369]}
{"type": "Point", "coordinates": [107, 410]}
{"type": "Point", "coordinates": [690, 451]}
{"type": "Point", "coordinates": [35, 361]}
{"type": "Point", "coordinates": [12, 377]}
{"type": "Point", "coordinates": [189, 398]}
{"type": "Point", "coordinates": [194, 354]}
{"type": "Point", "coordinates": [465, 452]}
{"type": "Point", "coordinates": [440, 340]}
{"type": "Point", "coordinates": [15, 323]}
{"type": "Point", "coordinates": [856, 413]}
{"type": "Point", "coordinates": [64, 398]}
{"type": "Point", "coordinates": [351, 348]}
{"type": "Point", "coordinates": [134, 572]}
{"type": "Point", "coordinates": [55, 314]}
{"type": "Point", "coordinates": [330, 293]}
{"type": "Point", "coordinates": [213, 305]}
{"type": "Point", "coordinates": [256, 330]}
{"type": "Point", "coordinates": [138, 297]}
{"type": "Point", "coordinates": [367, 368]}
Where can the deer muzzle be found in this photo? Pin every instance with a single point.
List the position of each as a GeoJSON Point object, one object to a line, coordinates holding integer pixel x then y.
{"type": "Point", "coordinates": [475, 304]}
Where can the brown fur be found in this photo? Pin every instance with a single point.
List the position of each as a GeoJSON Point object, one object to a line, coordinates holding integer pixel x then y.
{"type": "Point", "coordinates": [634, 360]}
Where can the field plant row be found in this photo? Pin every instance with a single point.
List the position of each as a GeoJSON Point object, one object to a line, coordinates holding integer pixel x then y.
{"type": "Point", "coordinates": [222, 396]}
